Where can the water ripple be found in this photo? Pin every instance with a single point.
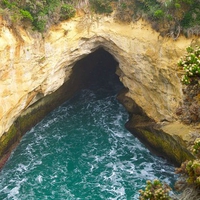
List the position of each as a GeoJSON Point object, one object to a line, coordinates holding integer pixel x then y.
{"type": "Point", "coordinates": [81, 151]}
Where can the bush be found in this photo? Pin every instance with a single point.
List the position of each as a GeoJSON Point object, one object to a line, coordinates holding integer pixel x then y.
{"type": "Point", "coordinates": [124, 11]}
{"type": "Point", "coordinates": [101, 6]}
{"type": "Point", "coordinates": [196, 147]}
{"type": "Point", "coordinates": [155, 191]}
{"type": "Point", "coordinates": [193, 172]}
{"type": "Point", "coordinates": [158, 13]}
{"type": "Point", "coordinates": [184, 14]}
{"type": "Point", "coordinates": [191, 169]}
{"type": "Point", "coordinates": [8, 4]}
{"type": "Point", "coordinates": [26, 14]}
{"type": "Point", "coordinates": [67, 11]}
{"type": "Point", "coordinates": [191, 65]}
{"type": "Point", "coordinates": [177, 5]}
{"type": "Point", "coordinates": [40, 25]}
{"type": "Point", "coordinates": [40, 13]}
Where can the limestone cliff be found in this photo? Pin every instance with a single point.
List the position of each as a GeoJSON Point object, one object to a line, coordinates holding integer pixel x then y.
{"type": "Point", "coordinates": [34, 65]}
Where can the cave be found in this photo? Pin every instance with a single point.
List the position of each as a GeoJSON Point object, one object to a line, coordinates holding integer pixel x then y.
{"type": "Point", "coordinates": [97, 68]}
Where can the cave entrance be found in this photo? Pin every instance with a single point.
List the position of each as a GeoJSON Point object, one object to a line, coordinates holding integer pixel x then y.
{"type": "Point", "coordinates": [95, 70]}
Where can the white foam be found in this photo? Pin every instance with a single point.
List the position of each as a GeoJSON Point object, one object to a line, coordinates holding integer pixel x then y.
{"type": "Point", "coordinates": [22, 167]}
{"type": "Point", "coordinates": [14, 192]}
{"type": "Point", "coordinates": [124, 162]}
{"type": "Point", "coordinates": [121, 191]}
{"type": "Point", "coordinates": [39, 179]}
{"type": "Point", "coordinates": [91, 168]}
{"type": "Point", "coordinates": [112, 152]}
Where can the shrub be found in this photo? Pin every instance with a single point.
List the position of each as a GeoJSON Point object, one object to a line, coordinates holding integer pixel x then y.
{"type": "Point", "coordinates": [177, 5]}
{"type": "Point", "coordinates": [174, 13]}
{"type": "Point", "coordinates": [101, 6]}
{"type": "Point", "coordinates": [196, 147]}
{"type": "Point", "coordinates": [193, 172]}
{"type": "Point", "coordinates": [155, 191]}
{"type": "Point", "coordinates": [124, 11]}
{"type": "Point", "coordinates": [40, 13]}
{"type": "Point", "coordinates": [67, 11]}
{"type": "Point", "coordinates": [191, 169]}
{"type": "Point", "coordinates": [8, 4]}
{"type": "Point", "coordinates": [26, 14]}
{"type": "Point", "coordinates": [40, 25]}
{"type": "Point", "coordinates": [158, 13]}
{"type": "Point", "coordinates": [191, 65]}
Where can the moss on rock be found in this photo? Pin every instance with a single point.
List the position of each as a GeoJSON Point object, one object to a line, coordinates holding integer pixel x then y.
{"type": "Point", "coordinates": [161, 143]}
{"type": "Point", "coordinates": [37, 111]}
{"type": "Point", "coordinates": [172, 148]}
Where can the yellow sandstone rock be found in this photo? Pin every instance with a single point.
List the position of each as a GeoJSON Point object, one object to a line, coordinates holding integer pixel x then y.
{"type": "Point", "coordinates": [31, 63]}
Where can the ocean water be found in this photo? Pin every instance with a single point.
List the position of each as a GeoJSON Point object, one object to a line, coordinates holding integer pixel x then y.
{"type": "Point", "coordinates": [81, 151]}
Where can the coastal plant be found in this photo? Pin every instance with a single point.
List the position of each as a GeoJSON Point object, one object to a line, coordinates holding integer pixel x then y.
{"type": "Point", "coordinates": [67, 11]}
{"type": "Point", "coordinates": [39, 14]}
{"type": "Point", "coordinates": [124, 11]}
{"type": "Point", "coordinates": [101, 6]}
{"type": "Point", "coordinates": [190, 63]}
{"type": "Point", "coordinates": [196, 148]}
{"type": "Point", "coordinates": [170, 17]}
{"type": "Point", "coordinates": [191, 169]}
{"type": "Point", "coordinates": [26, 15]}
{"type": "Point", "coordinates": [155, 190]}
{"type": "Point", "coordinates": [159, 13]}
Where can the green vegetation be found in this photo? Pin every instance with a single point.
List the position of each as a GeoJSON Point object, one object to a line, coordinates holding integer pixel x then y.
{"type": "Point", "coordinates": [190, 63]}
{"type": "Point", "coordinates": [155, 191]}
{"type": "Point", "coordinates": [191, 169]}
{"type": "Point", "coordinates": [67, 11]}
{"type": "Point", "coordinates": [169, 17]}
{"type": "Point", "coordinates": [189, 181]}
{"type": "Point", "coordinates": [26, 14]}
{"type": "Point", "coordinates": [101, 6]}
{"type": "Point", "coordinates": [40, 14]}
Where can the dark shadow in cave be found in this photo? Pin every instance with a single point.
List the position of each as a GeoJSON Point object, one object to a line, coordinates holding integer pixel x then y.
{"type": "Point", "coordinates": [96, 70]}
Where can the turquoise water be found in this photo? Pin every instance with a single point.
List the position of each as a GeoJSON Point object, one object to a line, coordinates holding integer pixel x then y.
{"type": "Point", "coordinates": [81, 151]}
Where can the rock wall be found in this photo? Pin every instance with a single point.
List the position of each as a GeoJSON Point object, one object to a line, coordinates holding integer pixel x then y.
{"type": "Point", "coordinates": [189, 110]}
{"type": "Point", "coordinates": [156, 137]}
{"type": "Point", "coordinates": [35, 65]}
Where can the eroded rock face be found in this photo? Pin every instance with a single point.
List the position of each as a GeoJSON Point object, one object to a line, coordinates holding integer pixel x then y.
{"type": "Point", "coordinates": [156, 137]}
{"type": "Point", "coordinates": [34, 66]}
{"type": "Point", "coordinates": [189, 111]}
